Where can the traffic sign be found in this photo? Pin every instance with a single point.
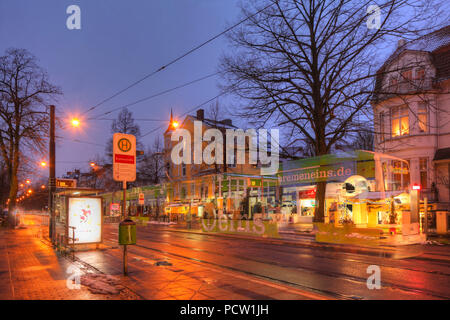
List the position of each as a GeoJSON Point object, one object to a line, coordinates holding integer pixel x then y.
{"type": "Point", "coordinates": [66, 183]}
{"type": "Point", "coordinates": [141, 198]}
{"type": "Point", "coordinates": [124, 157]}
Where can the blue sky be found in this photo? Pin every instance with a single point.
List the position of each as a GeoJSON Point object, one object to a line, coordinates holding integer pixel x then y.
{"type": "Point", "coordinates": [119, 42]}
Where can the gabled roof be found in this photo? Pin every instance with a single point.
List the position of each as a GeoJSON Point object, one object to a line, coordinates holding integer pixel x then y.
{"type": "Point", "coordinates": [220, 124]}
{"type": "Point", "coordinates": [427, 43]}
{"type": "Point", "coordinates": [436, 43]}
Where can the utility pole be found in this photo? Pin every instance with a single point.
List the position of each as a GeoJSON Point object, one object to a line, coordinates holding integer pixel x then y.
{"type": "Point", "coordinates": [51, 176]}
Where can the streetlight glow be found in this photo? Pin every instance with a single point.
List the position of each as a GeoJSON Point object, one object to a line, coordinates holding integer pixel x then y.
{"type": "Point", "coordinates": [175, 124]}
{"type": "Point", "coordinates": [75, 122]}
{"type": "Point", "coordinates": [43, 164]}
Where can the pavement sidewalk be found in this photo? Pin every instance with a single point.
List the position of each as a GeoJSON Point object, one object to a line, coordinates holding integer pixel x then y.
{"type": "Point", "coordinates": [31, 270]}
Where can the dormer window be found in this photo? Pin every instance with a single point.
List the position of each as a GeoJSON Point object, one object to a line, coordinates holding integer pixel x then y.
{"type": "Point", "coordinates": [407, 75]}
{"type": "Point", "coordinates": [420, 74]}
{"type": "Point", "coordinates": [393, 82]}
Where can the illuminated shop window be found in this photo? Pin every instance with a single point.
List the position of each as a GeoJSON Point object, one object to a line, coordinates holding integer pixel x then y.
{"type": "Point", "coordinates": [400, 121]}
{"type": "Point", "coordinates": [400, 175]}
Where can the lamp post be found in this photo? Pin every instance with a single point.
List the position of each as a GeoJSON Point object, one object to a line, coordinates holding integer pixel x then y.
{"type": "Point", "coordinates": [51, 180]}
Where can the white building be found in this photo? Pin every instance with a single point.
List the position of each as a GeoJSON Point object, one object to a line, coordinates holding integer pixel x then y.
{"type": "Point", "coordinates": [411, 107]}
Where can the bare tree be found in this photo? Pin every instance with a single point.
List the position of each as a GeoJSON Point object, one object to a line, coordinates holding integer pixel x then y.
{"type": "Point", "coordinates": [308, 66]}
{"type": "Point", "coordinates": [124, 124]}
{"type": "Point", "coordinates": [25, 93]}
{"type": "Point", "coordinates": [151, 168]}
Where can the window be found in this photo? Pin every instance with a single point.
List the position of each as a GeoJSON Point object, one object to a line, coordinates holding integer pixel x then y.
{"type": "Point", "coordinates": [420, 74]}
{"type": "Point", "coordinates": [393, 82]}
{"type": "Point", "coordinates": [423, 168]}
{"type": "Point", "coordinates": [183, 169]}
{"type": "Point", "coordinates": [400, 121]}
{"type": "Point", "coordinates": [382, 127]}
{"type": "Point", "coordinates": [406, 76]}
{"type": "Point", "coordinates": [193, 191]}
{"type": "Point", "coordinates": [422, 116]}
{"type": "Point", "coordinates": [400, 175]}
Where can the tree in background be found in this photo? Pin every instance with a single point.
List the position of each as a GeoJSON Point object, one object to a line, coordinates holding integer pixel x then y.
{"type": "Point", "coordinates": [308, 66]}
{"type": "Point", "coordinates": [25, 93]}
{"type": "Point", "coordinates": [151, 168]}
{"type": "Point", "coordinates": [124, 124]}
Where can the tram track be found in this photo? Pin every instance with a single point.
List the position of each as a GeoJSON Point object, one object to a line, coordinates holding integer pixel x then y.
{"type": "Point", "coordinates": [340, 257]}
{"type": "Point", "coordinates": [354, 279]}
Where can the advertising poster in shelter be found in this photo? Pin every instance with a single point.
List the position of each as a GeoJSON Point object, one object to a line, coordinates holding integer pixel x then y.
{"type": "Point", "coordinates": [85, 214]}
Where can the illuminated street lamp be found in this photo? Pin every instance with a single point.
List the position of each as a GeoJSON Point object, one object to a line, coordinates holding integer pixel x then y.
{"type": "Point", "coordinates": [30, 191]}
{"type": "Point", "coordinates": [28, 181]}
{"type": "Point", "coordinates": [175, 124]}
{"type": "Point", "coordinates": [75, 122]}
{"type": "Point", "coordinates": [43, 186]}
{"type": "Point", "coordinates": [92, 164]}
{"type": "Point", "coordinates": [43, 164]}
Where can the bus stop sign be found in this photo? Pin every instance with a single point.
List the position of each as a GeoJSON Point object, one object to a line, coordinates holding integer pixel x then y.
{"type": "Point", "coordinates": [124, 157]}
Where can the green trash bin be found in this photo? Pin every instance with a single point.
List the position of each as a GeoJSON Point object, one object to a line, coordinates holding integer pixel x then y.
{"type": "Point", "coordinates": [127, 232]}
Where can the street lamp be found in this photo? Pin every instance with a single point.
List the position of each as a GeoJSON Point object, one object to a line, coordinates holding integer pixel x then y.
{"type": "Point", "coordinates": [175, 124]}
{"type": "Point", "coordinates": [92, 164]}
{"type": "Point", "coordinates": [43, 164]}
{"type": "Point", "coordinates": [75, 122]}
{"type": "Point", "coordinates": [28, 181]}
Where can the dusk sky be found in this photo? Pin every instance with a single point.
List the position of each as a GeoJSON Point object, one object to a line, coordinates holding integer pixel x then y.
{"type": "Point", "coordinates": [119, 43]}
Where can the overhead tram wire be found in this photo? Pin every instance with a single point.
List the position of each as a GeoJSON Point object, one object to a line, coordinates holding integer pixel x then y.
{"type": "Point", "coordinates": [176, 59]}
{"type": "Point", "coordinates": [154, 95]}
{"type": "Point", "coordinates": [183, 114]}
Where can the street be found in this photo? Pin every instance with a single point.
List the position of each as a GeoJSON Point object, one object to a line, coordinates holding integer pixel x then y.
{"type": "Point", "coordinates": [172, 263]}
{"type": "Point", "coordinates": [338, 275]}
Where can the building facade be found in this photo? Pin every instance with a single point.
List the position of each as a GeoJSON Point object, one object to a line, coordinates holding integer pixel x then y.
{"type": "Point", "coordinates": [411, 107]}
{"type": "Point", "coordinates": [218, 186]}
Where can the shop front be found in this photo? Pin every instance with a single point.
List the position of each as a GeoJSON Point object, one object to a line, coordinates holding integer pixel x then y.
{"type": "Point", "coordinates": [355, 193]}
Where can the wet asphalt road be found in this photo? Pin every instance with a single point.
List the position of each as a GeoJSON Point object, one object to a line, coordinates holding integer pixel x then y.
{"type": "Point", "coordinates": [422, 272]}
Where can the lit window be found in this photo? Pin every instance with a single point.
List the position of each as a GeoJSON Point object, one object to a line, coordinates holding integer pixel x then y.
{"type": "Point", "coordinates": [422, 115]}
{"type": "Point", "coordinates": [400, 175]}
{"type": "Point", "coordinates": [400, 121]}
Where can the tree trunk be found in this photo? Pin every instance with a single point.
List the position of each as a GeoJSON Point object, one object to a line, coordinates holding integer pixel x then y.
{"type": "Point", "coordinates": [13, 184]}
{"type": "Point", "coordinates": [319, 215]}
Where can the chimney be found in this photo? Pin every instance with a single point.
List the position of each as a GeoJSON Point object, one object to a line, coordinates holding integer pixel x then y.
{"type": "Point", "coordinates": [227, 122]}
{"type": "Point", "coordinates": [401, 43]}
{"type": "Point", "coordinates": [200, 114]}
